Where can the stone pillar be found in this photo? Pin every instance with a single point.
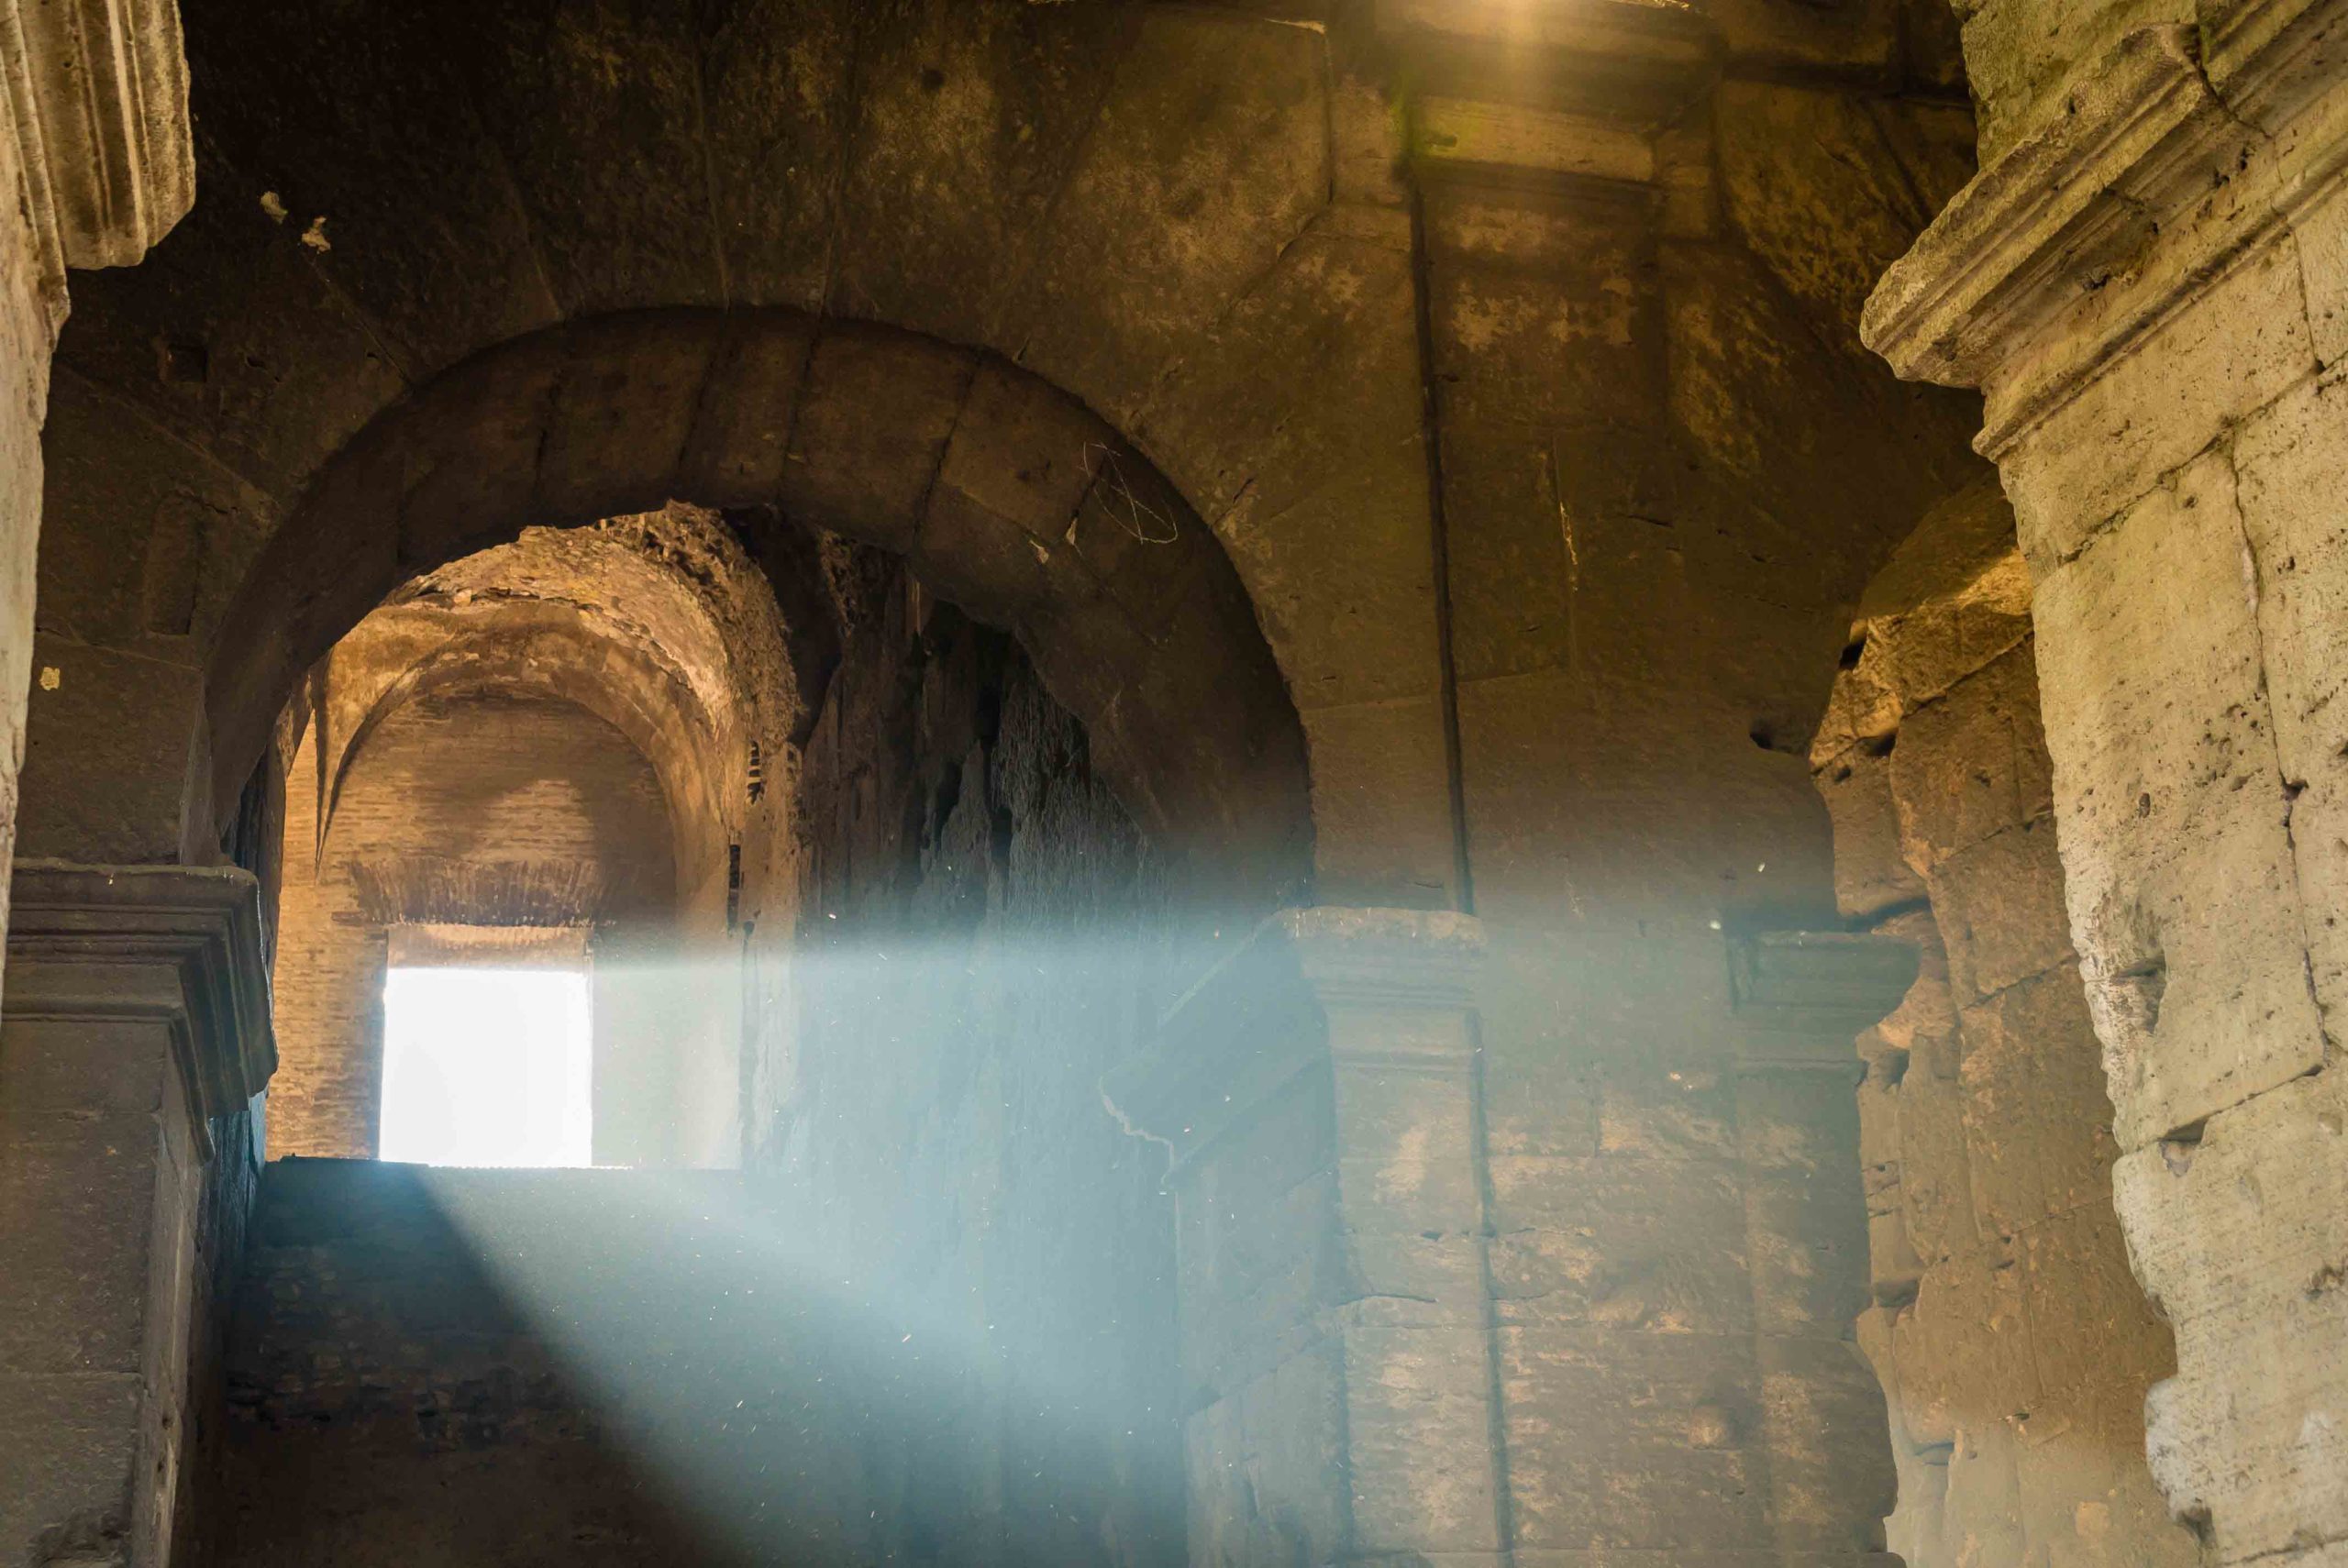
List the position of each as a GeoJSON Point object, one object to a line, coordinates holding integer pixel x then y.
{"type": "Point", "coordinates": [134, 1034]}
{"type": "Point", "coordinates": [1319, 1091]}
{"type": "Point", "coordinates": [1376, 1317]}
{"type": "Point", "coordinates": [2151, 291]}
{"type": "Point", "coordinates": [1814, 1441]}
{"type": "Point", "coordinates": [95, 164]}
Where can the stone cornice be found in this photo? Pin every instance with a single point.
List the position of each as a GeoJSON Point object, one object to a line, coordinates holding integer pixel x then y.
{"type": "Point", "coordinates": [1799, 997]}
{"type": "Point", "coordinates": [1388, 987]}
{"type": "Point", "coordinates": [179, 945]}
{"type": "Point", "coordinates": [96, 100]}
{"type": "Point", "coordinates": [2066, 251]}
{"type": "Point", "coordinates": [1503, 90]}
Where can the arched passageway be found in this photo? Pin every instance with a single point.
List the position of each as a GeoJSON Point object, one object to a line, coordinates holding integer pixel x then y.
{"type": "Point", "coordinates": [1006, 497]}
{"type": "Point", "coordinates": [932, 930]}
{"type": "Point", "coordinates": [1466, 400]}
{"type": "Point", "coordinates": [542, 749]}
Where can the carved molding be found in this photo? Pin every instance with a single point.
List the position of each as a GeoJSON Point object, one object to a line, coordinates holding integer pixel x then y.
{"type": "Point", "coordinates": [1392, 988]}
{"type": "Point", "coordinates": [97, 103]}
{"type": "Point", "coordinates": [2075, 245]}
{"type": "Point", "coordinates": [179, 946]}
{"type": "Point", "coordinates": [1799, 997]}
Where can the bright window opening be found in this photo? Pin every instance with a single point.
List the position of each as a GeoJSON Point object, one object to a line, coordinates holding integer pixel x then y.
{"type": "Point", "coordinates": [486, 1068]}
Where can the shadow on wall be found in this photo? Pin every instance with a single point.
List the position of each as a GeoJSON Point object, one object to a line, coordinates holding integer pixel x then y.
{"type": "Point", "coordinates": [473, 1368]}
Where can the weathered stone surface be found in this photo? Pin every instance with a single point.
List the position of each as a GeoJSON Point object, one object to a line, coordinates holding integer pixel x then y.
{"type": "Point", "coordinates": [2000, 910]}
{"type": "Point", "coordinates": [1804, 180]}
{"type": "Point", "coordinates": [2154, 343]}
{"type": "Point", "coordinates": [988, 105]}
{"type": "Point", "coordinates": [2020, 57]}
{"type": "Point", "coordinates": [1630, 1440]}
{"type": "Point", "coordinates": [1620, 1244]}
{"type": "Point", "coordinates": [1418, 1440]}
{"type": "Point", "coordinates": [136, 707]}
{"type": "Point", "coordinates": [1856, 35]}
{"type": "Point", "coordinates": [277, 368]}
{"type": "Point", "coordinates": [849, 472]}
{"type": "Point", "coordinates": [2013, 1344]}
{"type": "Point", "coordinates": [1831, 1482]}
{"type": "Point", "coordinates": [1871, 874]}
{"type": "Point", "coordinates": [1340, 480]}
{"type": "Point", "coordinates": [344, 150]}
{"type": "Point", "coordinates": [2245, 1228]}
{"type": "Point", "coordinates": [2138, 427]}
{"type": "Point", "coordinates": [1974, 766]}
{"type": "Point", "coordinates": [1381, 804]}
{"type": "Point", "coordinates": [1547, 488]}
{"type": "Point", "coordinates": [776, 110]}
{"type": "Point", "coordinates": [136, 1033]}
{"type": "Point", "coordinates": [2288, 466]}
{"type": "Point", "coordinates": [1175, 152]}
{"type": "Point", "coordinates": [2173, 812]}
{"type": "Point", "coordinates": [77, 1221]}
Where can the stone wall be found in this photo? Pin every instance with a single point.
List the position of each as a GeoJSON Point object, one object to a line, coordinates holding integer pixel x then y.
{"type": "Point", "coordinates": [31, 299]}
{"type": "Point", "coordinates": [1507, 354]}
{"type": "Point", "coordinates": [2022, 57]}
{"type": "Point", "coordinates": [2013, 1342]}
{"type": "Point", "coordinates": [126, 1220]}
{"type": "Point", "coordinates": [97, 163]}
{"type": "Point", "coordinates": [1666, 470]}
{"type": "Point", "coordinates": [132, 1049]}
{"type": "Point", "coordinates": [2157, 347]}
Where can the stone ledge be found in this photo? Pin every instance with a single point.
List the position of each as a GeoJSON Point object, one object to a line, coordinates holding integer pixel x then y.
{"type": "Point", "coordinates": [179, 945]}
{"type": "Point", "coordinates": [1308, 985]}
{"type": "Point", "coordinates": [2069, 249]}
{"type": "Point", "coordinates": [1800, 998]}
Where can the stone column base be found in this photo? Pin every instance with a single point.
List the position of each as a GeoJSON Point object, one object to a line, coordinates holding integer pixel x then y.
{"type": "Point", "coordinates": [134, 1034]}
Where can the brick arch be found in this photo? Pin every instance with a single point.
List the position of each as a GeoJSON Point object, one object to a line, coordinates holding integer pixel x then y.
{"type": "Point", "coordinates": [658, 714]}
{"type": "Point", "coordinates": [1009, 498]}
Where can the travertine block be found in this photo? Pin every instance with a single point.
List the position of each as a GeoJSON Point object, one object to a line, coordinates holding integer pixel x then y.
{"type": "Point", "coordinates": [2177, 851]}
{"type": "Point", "coordinates": [1973, 763]}
{"type": "Point", "coordinates": [1418, 1448]}
{"type": "Point", "coordinates": [2241, 1239]}
{"type": "Point", "coordinates": [1631, 1440]}
{"type": "Point", "coordinates": [2001, 907]}
{"type": "Point", "coordinates": [1871, 874]}
{"type": "Point", "coordinates": [1627, 1243]}
{"type": "Point", "coordinates": [2152, 410]}
{"type": "Point", "coordinates": [2037, 1120]}
{"type": "Point", "coordinates": [1831, 1476]}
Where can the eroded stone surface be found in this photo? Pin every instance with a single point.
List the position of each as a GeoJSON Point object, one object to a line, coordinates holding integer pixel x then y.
{"type": "Point", "coordinates": [2164, 439]}
{"type": "Point", "coordinates": [2013, 1343]}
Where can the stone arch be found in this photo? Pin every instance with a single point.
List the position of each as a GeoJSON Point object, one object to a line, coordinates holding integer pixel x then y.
{"type": "Point", "coordinates": [618, 685]}
{"type": "Point", "coordinates": [1009, 499]}
{"type": "Point", "coordinates": [663, 626]}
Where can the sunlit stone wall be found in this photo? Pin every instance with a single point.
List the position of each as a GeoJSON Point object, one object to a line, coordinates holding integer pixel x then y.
{"type": "Point", "coordinates": [2014, 1345]}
